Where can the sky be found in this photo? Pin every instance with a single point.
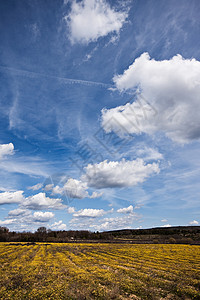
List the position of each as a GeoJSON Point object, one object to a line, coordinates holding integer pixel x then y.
{"type": "Point", "coordinates": [99, 114]}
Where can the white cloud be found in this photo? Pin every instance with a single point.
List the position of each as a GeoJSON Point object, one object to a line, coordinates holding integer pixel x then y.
{"type": "Point", "coordinates": [96, 195]}
{"type": "Point", "coordinates": [23, 219]}
{"type": "Point", "coordinates": [126, 210]}
{"type": "Point", "coordinates": [7, 222]}
{"type": "Point", "coordinates": [166, 225]}
{"type": "Point", "coordinates": [6, 149]}
{"type": "Point", "coordinates": [59, 226]}
{"type": "Point", "coordinates": [40, 201]}
{"type": "Point", "coordinates": [72, 188]}
{"type": "Point", "coordinates": [194, 222]}
{"type": "Point", "coordinates": [35, 202]}
{"type": "Point", "coordinates": [92, 219]}
{"type": "Point", "coordinates": [35, 187]}
{"type": "Point", "coordinates": [18, 212]}
{"type": "Point", "coordinates": [3, 189]}
{"type": "Point", "coordinates": [148, 153]}
{"type": "Point", "coordinates": [70, 210]}
{"type": "Point", "coordinates": [137, 207]}
{"type": "Point", "coordinates": [172, 89]}
{"type": "Point", "coordinates": [91, 19]}
{"type": "Point", "coordinates": [11, 197]}
{"type": "Point", "coordinates": [48, 187]}
{"type": "Point", "coordinates": [40, 216]}
{"type": "Point", "coordinates": [164, 220]}
{"type": "Point", "coordinates": [90, 213]}
{"type": "Point", "coordinates": [106, 175]}
{"type": "Point", "coordinates": [118, 174]}
{"type": "Point", "coordinates": [115, 223]}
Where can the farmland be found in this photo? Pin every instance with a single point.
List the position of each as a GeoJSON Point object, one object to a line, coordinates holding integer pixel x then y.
{"type": "Point", "coordinates": [99, 271]}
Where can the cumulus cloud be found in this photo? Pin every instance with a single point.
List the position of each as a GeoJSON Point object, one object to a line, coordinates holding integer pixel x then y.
{"type": "Point", "coordinates": [82, 220]}
{"type": "Point", "coordinates": [40, 216]}
{"type": "Point", "coordinates": [167, 99]}
{"type": "Point", "coordinates": [24, 216]}
{"type": "Point", "coordinates": [91, 19]}
{"type": "Point", "coordinates": [23, 219]}
{"type": "Point", "coordinates": [90, 213]}
{"type": "Point", "coordinates": [166, 225]}
{"type": "Point", "coordinates": [115, 223]}
{"type": "Point", "coordinates": [35, 187]}
{"type": "Point", "coordinates": [35, 202]}
{"type": "Point", "coordinates": [7, 222]}
{"type": "Point", "coordinates": [59, 226]}
{"type": "Point", "coordinates": [18, 212]}
{"type": "Point", "coordinates": [73, 188]}
{"type": "Point", "coordinates": [194, 222]}
{"type": "Point", "coordinates": [107, 175]}
{"type": "Point", "coordinates": [126, 210]}
{"type": "Point", "coordinates": [11, 197]}
{"type": "Point", "coordinates": [40, 201]}
{"type": "Point", "coordinates": [118, 173]}
{"type": "Point", "coordinates": [6, 149]}
{"type": "Point", "coordinates": [70, 210]}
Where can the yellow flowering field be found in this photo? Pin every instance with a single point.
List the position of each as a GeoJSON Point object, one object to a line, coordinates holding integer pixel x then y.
{"type": "Point", "coordinates": [99, 271]}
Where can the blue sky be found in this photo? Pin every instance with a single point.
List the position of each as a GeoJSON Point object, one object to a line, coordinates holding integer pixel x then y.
{"type": "Point", "coordinates": [99, 114]}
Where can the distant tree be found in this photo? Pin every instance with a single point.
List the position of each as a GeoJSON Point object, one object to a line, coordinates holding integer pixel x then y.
{"type": "Point", "coordinates": [4, 229]}
{"type": "Point", "coordinates": [42, 230]}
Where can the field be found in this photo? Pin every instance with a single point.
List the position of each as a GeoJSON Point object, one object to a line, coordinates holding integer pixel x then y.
{"type": "Point", "coordinates": [99, 271]}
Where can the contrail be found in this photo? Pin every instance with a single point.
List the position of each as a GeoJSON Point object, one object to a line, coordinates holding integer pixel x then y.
{"type": "Point", "coordinates": [62, 79]}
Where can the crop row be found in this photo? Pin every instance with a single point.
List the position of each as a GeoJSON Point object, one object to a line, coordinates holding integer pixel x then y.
{"type": "Point", "coordinates": [99, 271]}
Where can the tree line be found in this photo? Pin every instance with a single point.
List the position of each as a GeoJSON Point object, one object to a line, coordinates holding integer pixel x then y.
{"type": "Point", "coordinates": [42, 234]}
{"type": "Point", "coordinates": [179, 234]}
